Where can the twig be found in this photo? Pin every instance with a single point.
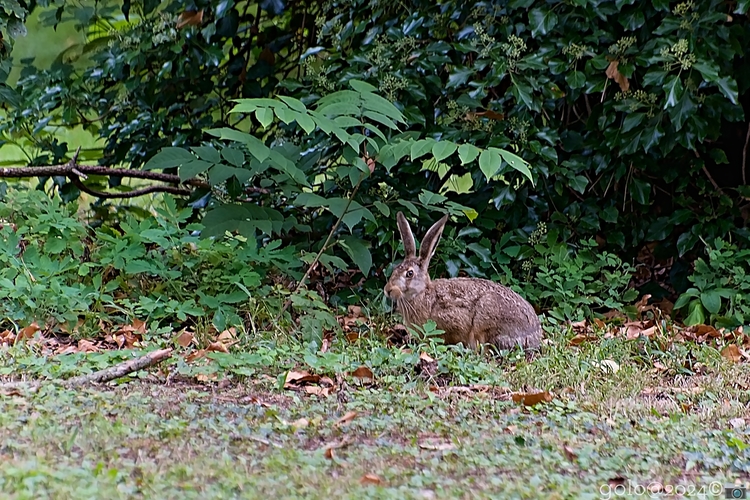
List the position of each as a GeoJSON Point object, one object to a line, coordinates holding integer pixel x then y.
{"type": "Point", "coordinates": [257, 439]}
{"type": "Point", "coordinates": [105, 375]}
{"type": "Point", "coordinates": [708, 174]}
{"type": "Point", "coordinates": [322, 249]}
{"type": "Point", "coordinates": [744, 154]}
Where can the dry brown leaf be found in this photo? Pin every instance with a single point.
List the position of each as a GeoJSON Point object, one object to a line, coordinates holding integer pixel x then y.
{"type": "Point", "coordinates": [580, 325]}
{"type": "Point", "coordinates": [140, 326]}
{"type": "Point", "coordinates": [426, 357]}
{"type": "Point", "coordinates": [328, 453]}
{"type": "Point", "coordinates": [185, 338]}
{"type": "Point", "coordinates": [492, 115]}
{"type": "Point", "coordinates": [190, 18]}
{"type": "Point", "coordinates": [227, 335]}
{"type": "Point", "coordinates": [318, 391]}
{"type": "Point", "coordinates": [599, 323]}
{"type": "Point", "coordinates": [364, 374]}
{"type": "Point", "coordinates": [217, 347]}
{"type": "Point", "coordinates": [348, 417]}
{"type": "Point", "coordinates": [642, 305]}
{"type": "Point", "coordinates": [206, 377]}
{"type": "Point", "coordinates": [370, 479]}
{"type": "Point", "coordinates": [613, 73]}
{"type": "Point", "coordinates": [732, 353]}
{"type": "Point", "coordinates": [87, 346]}
{"type": "Point", "coordinates": [195, 355]}
{"type": "Point", "coordinates": [28, 332]}
{"type": "Point", "coordinates": [298, 378]}
{"type": "Point", "coordinates": [582, 338]}
{"type": "Point", "coordinates": [532, 398]}
{"type": "Point", "coordinates": [569, 453]}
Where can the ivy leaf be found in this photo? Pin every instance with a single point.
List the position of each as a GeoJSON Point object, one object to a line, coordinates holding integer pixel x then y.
{"type": "Point", "coordinates": [673, 87]}
{"type": "Point", "coordinates": [489, 163]}
{"type": "Point", "coordinates": [467, 153]}
{"type": "Point", "coordinates": [169, 158]}
{"type": "Point", "coordinates": [443, 149]}
{"type": "Point", "coordinates": [542, 21]}
{"type": "Point", "coordinates": [680, 113]}
{"type": "Point", "coordinates": [576, 79]}
{"type": "Point", "coordinates": [728, 87]}
{"type": "Point", "coordinates": [640, 191]}
{"type": "Point", "coordinates": [358, 252]}
{"type": "Point", "coordinates": [459, 77]}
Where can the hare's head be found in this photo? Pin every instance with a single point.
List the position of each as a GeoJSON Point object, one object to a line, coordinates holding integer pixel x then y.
{"type": "Point", "coordinates": [411, 277]}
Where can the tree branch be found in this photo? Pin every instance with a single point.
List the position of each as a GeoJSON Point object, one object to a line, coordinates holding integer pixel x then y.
{"type": "Point", "coordinates": [75, 172]}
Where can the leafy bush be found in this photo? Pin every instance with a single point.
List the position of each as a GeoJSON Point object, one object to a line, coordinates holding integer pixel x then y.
{"type": "Point", "coordinates": [55, 268]}
{"type": "Point", "coordinates": [721, 291]}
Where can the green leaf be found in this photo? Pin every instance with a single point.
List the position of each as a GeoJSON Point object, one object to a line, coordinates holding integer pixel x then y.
{"type": "Point", "coordinates": [293, 103]}
{"type": "Point", "coordinates": [489, 163]}
{"type": "Point", "coordinates": [264, 116]}
{"type": "Point", "coordinates": [742, 7]}
{"type": "Point", "coordinates": [374, 102]}
{"type": "Point", "coordinates": [728, 87]}
{"type": "Point", "coordinates": [458, 184]}
{"type": "Point", "coordinates": [443, 149]}
{"type": "Point", "coordinates": [576, 79]}
{"type": "Point", "coordinates": [709, 71]}
{"type": "Point", "coordinates": [459, 77]}
{"type": "Point", "coordinates": [673, 88]}
{"type": "Point", "coordinates": [412, 208]}
{"type": "Point", "coordinates": [640, 191]}
{"type": "Point", "coordinates": [711, 300]}
{"type": "Point", "coordinates": [421, 148]}
{"type": "Point", "coordinates": [516, 163]}
{"type": "Point", "coordinates": [632, 120]}
{"type": "Point", "coordinates": [696, 315]}
{"type": "Point", "coordinates": [207, 153]}
{"type": "Point", "coordinates": [169, 158]}
{"type": "Point", "coordinates": [578, 183]}
{"type": "Point", "coordinates": [304, 121]}
{"type": "Point", "coordinates": [361, 86]}
{"type": "Point", "coordinates": [192, 169]}
{"type": "Point", "coordinates": [383, 208]}
{"type": "Point", "coordinates": [680, 113]}
{"type": "Point", "coordinates": [430, 198]}
{"type": "Point", "coordinates": [380, 118]}
{"type": "Point", "coordinates": [467, 153]}
{"type": "Point", "coordinates": [358, 252]}
{"type": "Point", "coordinates": [542, 21]}
{"type": "Point", "coordinates": [233, 156]}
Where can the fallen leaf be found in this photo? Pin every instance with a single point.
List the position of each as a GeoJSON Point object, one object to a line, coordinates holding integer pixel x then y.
{"type": "Point", "coordinates": [370, 479]}
{"type": "Point", "coordinates": [204, 377]}
{"type": "Point", "coordinates": [613, 73]}
{"type": "Point", "coordinates": [426, 357]}
{"type": "Point", "coordinates": [185, 338]}
{"type": "Point", "coordinates": [140, 326]}
{"type": "Point", "coordinates": [571, 455]}
{"type": "Point", "coordinates": [87, 346]}
{"type": "Point", "coordinates": [348, 417]}
{"type": "Point", "coordinates": [582, 338]}
{"type": "Point", "coordinates": [217, 347]}
{"type": "Point", "coordinates": [195, 355]}
{"type": "Point", "coordinates": [732, 353]}
{"type": "Point", "coordinates": [364, 374]}
{"type": "Point", "coordinates": [533, 398]}
{"type": "Point", "coordinates": [437, 445]}
{"type": "Point", "coordinates": [298, 378]}
{"type": "Point", "coordinates": [318, 391]}
{"type": "Point", "coordinates": [642, 305]}
{"type": "Point", "coordinates": [28, 332]}
{"type": "Point", "coordinates": [227, 335]}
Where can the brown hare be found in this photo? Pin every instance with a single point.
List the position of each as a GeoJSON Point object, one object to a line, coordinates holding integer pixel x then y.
{"type": "Point", "coordinates": [471, 311]}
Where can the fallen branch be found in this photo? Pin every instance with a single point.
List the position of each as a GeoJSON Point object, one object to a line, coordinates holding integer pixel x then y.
{"type": "Point", "coordinates": [75, 172]}
{"type": "Point", "coordinates": [101, 376]}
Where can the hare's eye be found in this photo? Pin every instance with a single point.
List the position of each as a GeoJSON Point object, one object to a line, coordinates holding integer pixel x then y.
{"type": "Point", "coordinates": [409, 273]}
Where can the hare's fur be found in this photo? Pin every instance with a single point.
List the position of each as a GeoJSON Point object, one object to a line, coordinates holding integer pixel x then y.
{"type": "Point", "coordinates": [471, 311]}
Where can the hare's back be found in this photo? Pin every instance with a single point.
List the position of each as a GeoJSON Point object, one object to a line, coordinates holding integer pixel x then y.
{"type": "Point", "coordinates": [486, 311]}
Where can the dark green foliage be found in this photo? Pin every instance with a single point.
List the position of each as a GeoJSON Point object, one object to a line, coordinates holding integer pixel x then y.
{"type": "Point", "coordinates": [629, 114]}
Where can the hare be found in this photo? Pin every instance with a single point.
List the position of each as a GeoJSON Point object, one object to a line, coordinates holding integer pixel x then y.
{"type": "Point", "coordinates": [471, 311]}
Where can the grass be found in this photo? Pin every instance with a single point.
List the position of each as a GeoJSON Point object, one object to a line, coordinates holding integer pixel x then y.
{"type": "Point", "coordinates": [407, 435]}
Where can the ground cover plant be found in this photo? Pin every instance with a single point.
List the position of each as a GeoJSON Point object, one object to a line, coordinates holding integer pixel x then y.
{"type": "Point", "coordinates": [210, 190]}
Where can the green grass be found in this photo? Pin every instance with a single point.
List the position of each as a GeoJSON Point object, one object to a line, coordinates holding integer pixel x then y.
{"type": "Point", "coordinates": [247, 438]}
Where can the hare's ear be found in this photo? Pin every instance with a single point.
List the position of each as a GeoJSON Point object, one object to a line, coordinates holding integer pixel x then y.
{"type": "Point", "coordinates": [430, 241]}
{"type": "Point", "coordinates": [410, 247]}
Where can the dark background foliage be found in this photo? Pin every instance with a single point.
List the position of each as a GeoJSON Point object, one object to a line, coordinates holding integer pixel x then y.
{"type": "Point", "coordinates": [631, 114]}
